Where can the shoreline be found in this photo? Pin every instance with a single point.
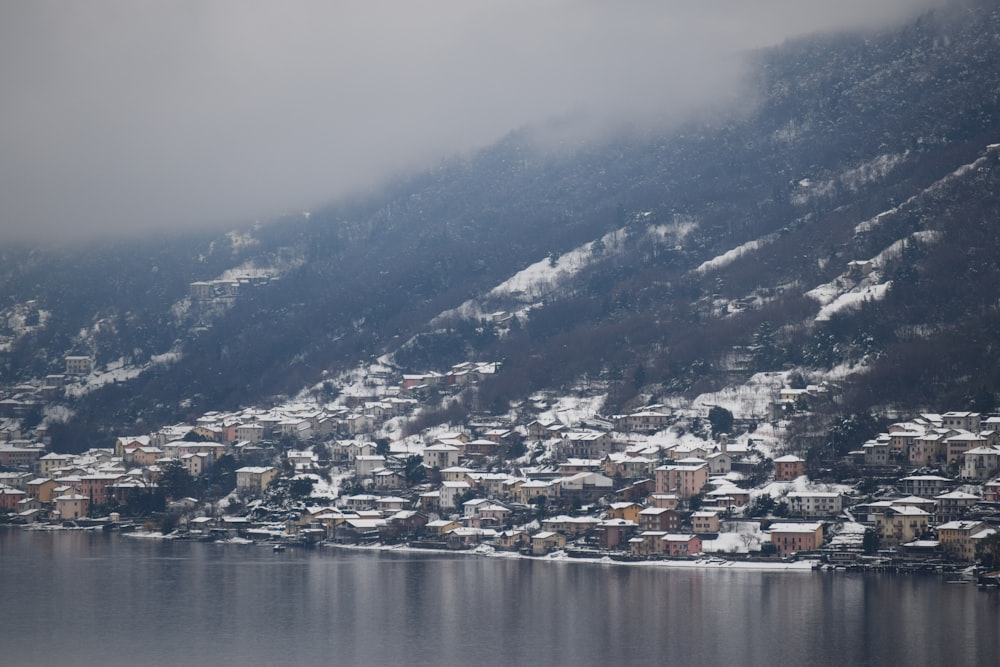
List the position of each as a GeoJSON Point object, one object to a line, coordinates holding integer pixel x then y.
{"type": "Point", "coordinates": [485, 551]}
{"type": "Point", "coordinates": [705, 562]}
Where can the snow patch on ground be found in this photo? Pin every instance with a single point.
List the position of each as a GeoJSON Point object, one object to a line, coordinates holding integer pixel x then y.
{"type": "Point", "coordinates": [851, 180]}
{"type": "Point", "coordinates": [392, 429]}
{"type": "Point", "coordinates": [749, 400]}
{"type": "Point", "coordinates": [327, 490]}
{"type": "Point", "coordinates": [839, 372]}
{"type": "Point", "coordinates": [53, 413]}
{"type": "Point", "coordinates": [678, 230]}
{"type": "Point", "coordinates": [571, 410]}
{"type": "Point", "coordinates": [873, 170]}
{"type": "Point", "coordinates": [853, 299]}
{"type": "Point", "coordinates": [736, 537]}
{"type": "Point", "coordinates": [670, 439]}
{"type": "Point", "coordinates": [166, 358]}
{"type": "Point", "coordinates": [359, 382]}
{"type": "Point", "coordinates": [117, 371]}
{"type": "Point", "coordinates": [848, 291]}
{"type": "Point", "coordinates": [895, 250]}
{"type": "Point", "coordinates": [404, 447]}
{"type": "Point", "coordinates": [768, 439]}
{"type": "Point", "coordinates": [528, 287]}
{"type": "Point", "coordinates": [241, 240]}
{"type": "Point", "coordinates": [778, 490]}
{"type": "Point", "coordinates": [871, 223]}
{"type": "Point", "coordinates": [732, 255]}
{"type": "Point", "coordinates": [542, 277]}
{"type": "Point", "coordinates": [809, 189]}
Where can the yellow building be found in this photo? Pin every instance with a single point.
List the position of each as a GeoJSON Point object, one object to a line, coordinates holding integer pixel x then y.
{"type": "Point", "coordinates": [626, 511]}
{"type": "Point", "coordinates": [41, 489]}
{"type": "Point", "coordinates": [959, 538]}
{"type": "Point", "coordinates": [901, 524]}
{"type": "Point", "coordinates": [545, 542]}
{"type": "Point", "coordinates": [705, 522]}
{"type": "Point", "coordinates": [254, 479]}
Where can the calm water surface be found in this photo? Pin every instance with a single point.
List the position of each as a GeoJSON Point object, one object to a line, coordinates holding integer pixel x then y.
{"type": "Point", "coordinates": [81, 598]}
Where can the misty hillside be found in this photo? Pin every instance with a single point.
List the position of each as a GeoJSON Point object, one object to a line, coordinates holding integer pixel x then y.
{"type": "Point", "coordinates": [844, 225]}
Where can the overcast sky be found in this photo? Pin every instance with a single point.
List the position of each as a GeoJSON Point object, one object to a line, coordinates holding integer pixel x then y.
{"type": "Point", "coordinates": [132, 116]}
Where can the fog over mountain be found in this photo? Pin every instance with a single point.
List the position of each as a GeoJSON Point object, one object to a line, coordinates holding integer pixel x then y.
{"type": "Point", "coordinates": [144, 116]}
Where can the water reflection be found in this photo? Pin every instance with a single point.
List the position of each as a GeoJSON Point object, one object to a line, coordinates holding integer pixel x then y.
{"type": "Point", "coordinates": [87, 598]}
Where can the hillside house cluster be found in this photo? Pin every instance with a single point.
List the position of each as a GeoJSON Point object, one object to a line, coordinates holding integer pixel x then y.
{"type": "Point", "coordinates": [595, 485]}
{"type": "Point", "coordinates": [962, 439]}
{"type": "Point", "coordinates": [639, 500]}
{"type": "Point", "coordinates": [460, 375]}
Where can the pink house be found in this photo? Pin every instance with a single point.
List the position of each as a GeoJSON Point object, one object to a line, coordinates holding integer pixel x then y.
{"type": "Point", "coordinates": [680, 546]}
{"type": "Point", "coordinates": [9, 498]}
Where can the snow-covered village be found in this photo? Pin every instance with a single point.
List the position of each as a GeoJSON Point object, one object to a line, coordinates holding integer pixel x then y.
{"type": "Point", "coordinates": [500, 333]}
{"type": "Point", "coordinates": [377, 457]}
{"type": "Point", "coordinates": [350, 462]}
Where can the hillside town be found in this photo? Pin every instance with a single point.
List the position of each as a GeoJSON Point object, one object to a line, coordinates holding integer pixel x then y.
{"type": "Point", "coordinates": [352, 464]}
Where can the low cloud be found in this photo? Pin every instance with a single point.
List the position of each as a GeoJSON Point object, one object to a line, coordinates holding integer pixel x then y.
{"type": "Point", "coordinates": [127, 117]}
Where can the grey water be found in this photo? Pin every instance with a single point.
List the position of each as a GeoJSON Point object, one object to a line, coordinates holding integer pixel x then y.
{"type": "Point", "coordinates": [89, 598]}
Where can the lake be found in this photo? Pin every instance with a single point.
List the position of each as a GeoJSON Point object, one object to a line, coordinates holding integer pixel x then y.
{"type": "Point", "coordinates": [87, 598]}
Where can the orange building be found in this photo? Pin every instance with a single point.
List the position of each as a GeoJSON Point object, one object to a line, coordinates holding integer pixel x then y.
{"type": "Point", "coordinates": [788, 468]}
{"type": "Point", "coordinates": [794, 537]}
